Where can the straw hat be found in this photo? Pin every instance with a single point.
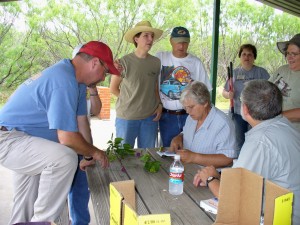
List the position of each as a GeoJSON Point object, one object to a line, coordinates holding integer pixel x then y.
{"type": "Point", "coordinates": [143, 26]}
{"type": "Point", "coordinates": [282, 46]}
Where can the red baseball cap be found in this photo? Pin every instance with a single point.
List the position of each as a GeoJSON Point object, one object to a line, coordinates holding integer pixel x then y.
{"type": "Point", "coordinates": [102, 51]}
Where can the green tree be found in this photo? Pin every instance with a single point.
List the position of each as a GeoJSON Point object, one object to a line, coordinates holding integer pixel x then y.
{"type": "Point", "coordinates": [53, 28]}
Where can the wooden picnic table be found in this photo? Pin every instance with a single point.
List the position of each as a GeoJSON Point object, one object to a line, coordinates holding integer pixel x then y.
{"type": "Point", "coordinates": [151, 190]}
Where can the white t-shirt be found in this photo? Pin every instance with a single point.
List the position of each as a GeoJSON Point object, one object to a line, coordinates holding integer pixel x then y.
{"type": "Point", "coordinates": [175, 74]}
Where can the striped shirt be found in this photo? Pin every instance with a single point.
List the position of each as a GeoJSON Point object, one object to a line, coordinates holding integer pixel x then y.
{"type": "Point", "coordinates": [215, 136]}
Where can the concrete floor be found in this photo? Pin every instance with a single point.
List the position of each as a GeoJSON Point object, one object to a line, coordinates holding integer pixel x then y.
{"type": "Point", "coordinates": [101, 132]}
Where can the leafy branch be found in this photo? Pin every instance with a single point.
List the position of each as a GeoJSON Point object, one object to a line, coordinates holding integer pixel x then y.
{"type": "Point", "coordinates": [118, 150]}
{"type": "Point", "coordinates": [151, 165]}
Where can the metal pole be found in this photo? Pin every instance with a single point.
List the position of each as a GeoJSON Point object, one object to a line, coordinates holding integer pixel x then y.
{"type": "Point", "coordinates": [215, 47]}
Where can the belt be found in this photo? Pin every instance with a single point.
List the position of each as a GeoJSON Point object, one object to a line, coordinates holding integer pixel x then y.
{"type": "Point", "coordinates": [3, 128]}
{"type": "Point", "coordinates": [175, 112]}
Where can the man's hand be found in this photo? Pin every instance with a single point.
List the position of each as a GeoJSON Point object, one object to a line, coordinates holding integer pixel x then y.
{"type": "Point", "coordinates": [118, 65]}
{"type": "Point", "coordinates": [158, 112]}
{"type": "Point", "coordinates": [85, 163]}
{"type": "Point", "coordinates": [201, 176]}
{"type": "Point", "coordinates": [230, 95]}
{"type": "Point", "coordinates": [186, 156]}
{"type": "Point", "coordinates": [102, 158]}
{"type": "Point", "coordinates": [176, 143]}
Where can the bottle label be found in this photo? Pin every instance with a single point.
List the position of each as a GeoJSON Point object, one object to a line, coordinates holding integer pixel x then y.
{"type": "Point", "coordinates": [176, 178]}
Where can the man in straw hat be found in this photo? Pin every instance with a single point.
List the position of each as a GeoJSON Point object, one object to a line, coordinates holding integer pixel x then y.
{"type": "Point", "coordinates": [39, 133]}
{"type": "Point", "coordinates": [287, 78]}
{"type": "Point", "coordinates": [138, 106]}
{"type": "Point", "coordinates": [178, 67]}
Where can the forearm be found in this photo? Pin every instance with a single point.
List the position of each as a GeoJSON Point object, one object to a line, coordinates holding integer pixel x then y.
{"type": "Point", "coordinates": [216, 160]}
{"type": "Point", "coordinates": [77, 142]}
{"type": "Point", "coordinates": [84, 128]}
{"type": "Point", "coordinates": [157, 92]}
{"type": "Point", "coordinates": [293, 114]}
{"type": "Point", "coordinates": [95, 100]}
{"type": "Point", "coordinates": [115, 85]}
{"type": "Point", "coordinates": [214, 187]}
{"type": "Point", "coordinates": [115, 92]}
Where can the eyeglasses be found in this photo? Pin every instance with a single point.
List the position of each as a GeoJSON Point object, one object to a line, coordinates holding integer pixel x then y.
{"type": "Point", "coordinates": [106, 70]}
{"type": "Point", "coordinates": [293, 54]}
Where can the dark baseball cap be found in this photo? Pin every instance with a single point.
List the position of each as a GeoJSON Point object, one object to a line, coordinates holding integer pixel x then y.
{"type": "Point", "coordinates": [180, 34]}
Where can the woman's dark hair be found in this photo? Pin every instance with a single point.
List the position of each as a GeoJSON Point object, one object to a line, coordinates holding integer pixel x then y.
{"type": "Point", "coordinates": [250, 47]}
{"type": "Point", "coordinates": [137, 35]}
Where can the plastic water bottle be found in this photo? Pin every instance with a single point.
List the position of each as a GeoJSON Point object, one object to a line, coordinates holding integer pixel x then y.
{"type": "Point", "coordinates": [176, 177]}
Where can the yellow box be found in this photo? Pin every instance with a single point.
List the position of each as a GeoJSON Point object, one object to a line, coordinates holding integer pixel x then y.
{"type": "Point", "coordinates": [123, 207]}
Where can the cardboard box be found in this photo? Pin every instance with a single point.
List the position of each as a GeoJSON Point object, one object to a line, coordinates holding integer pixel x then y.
{"type": "Point", "coordinates": [241, 200]}
{"type": "Point", "coordinates": [123, 207]}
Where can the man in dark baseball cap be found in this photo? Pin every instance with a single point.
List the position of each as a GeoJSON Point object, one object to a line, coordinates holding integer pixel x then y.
{"type": "Point", "coordinates": [180, 67]}
{"type": "Point", "coordinates": [180, 34]}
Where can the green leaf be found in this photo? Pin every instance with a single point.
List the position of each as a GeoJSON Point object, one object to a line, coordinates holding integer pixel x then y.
{"type": "Point", "coordinates": [151, 165]}
{"type": "Point", "coordinates": [116, 149]}
{"type": "Point", "coordinates": [145, 158]}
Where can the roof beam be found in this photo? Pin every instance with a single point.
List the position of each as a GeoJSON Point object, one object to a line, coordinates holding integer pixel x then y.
{"type": "Point", "coordinates": [288, 6]}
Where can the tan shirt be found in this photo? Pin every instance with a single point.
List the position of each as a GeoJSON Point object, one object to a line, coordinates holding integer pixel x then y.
{"type": "Point", "coordinates": [137, 99]}
{"type": "Point", "coordinates": [288, 82]}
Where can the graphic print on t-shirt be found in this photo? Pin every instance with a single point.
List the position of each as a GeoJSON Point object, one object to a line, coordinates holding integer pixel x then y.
{"type": "Point", "coordinates": [32, 78]}
{"type": "Point", "coordinates": [283, 87]}
{"type": "Point", "coordinates": [174, 80]}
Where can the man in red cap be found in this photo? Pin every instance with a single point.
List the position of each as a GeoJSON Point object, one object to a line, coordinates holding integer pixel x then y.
{"type": "Point", "coordinates": [39, 135]}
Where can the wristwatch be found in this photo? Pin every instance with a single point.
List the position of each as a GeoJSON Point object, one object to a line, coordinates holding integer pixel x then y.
{"type": "Point", "coordinates": [88, 158]}
{"type": "Point", "coordinates": [210, 179]}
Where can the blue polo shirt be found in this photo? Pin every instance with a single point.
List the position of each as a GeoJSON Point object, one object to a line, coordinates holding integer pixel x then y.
{"type": "Point", "coordinates": [46, 102]}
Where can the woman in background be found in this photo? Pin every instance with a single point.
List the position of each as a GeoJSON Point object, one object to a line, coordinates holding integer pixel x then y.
{"type": "Point", "coordinates": [245, 72]}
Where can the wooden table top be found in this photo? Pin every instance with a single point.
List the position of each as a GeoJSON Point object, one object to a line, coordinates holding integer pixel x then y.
{"type": "Point", "coordinates": [151, 189]}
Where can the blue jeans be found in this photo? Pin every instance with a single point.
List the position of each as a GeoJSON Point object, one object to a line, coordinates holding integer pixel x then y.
{"type": "Point", "coordinates": [170, 125]}
{"type": "Point", "coordinates": [241, 127]}
{"type": "Point", "coordinates": [79, 196]}
{"type": "Point", "coordinates": [145, 131]}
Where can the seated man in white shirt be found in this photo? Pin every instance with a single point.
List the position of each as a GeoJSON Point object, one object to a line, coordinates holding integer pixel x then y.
{"type": "Point", "coordinates": [208, 136]}
{"type": "Point", "coordinates": [272, 146]}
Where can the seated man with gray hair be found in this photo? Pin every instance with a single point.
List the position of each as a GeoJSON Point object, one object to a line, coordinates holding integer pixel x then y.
{"type": "Point", "coordinates": [208, 136]}
{"type": "Point", "coordinates": [272, 146]}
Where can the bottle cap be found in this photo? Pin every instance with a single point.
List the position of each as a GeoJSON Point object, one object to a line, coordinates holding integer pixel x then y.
{"type": "Point", "coordinates": [177, 157]}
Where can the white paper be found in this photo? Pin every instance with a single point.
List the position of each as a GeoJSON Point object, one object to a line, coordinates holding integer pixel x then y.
{"type": "Point", "coordinates": [210, 205]}
{"type": "Point", "coordinates": [167, 153]}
